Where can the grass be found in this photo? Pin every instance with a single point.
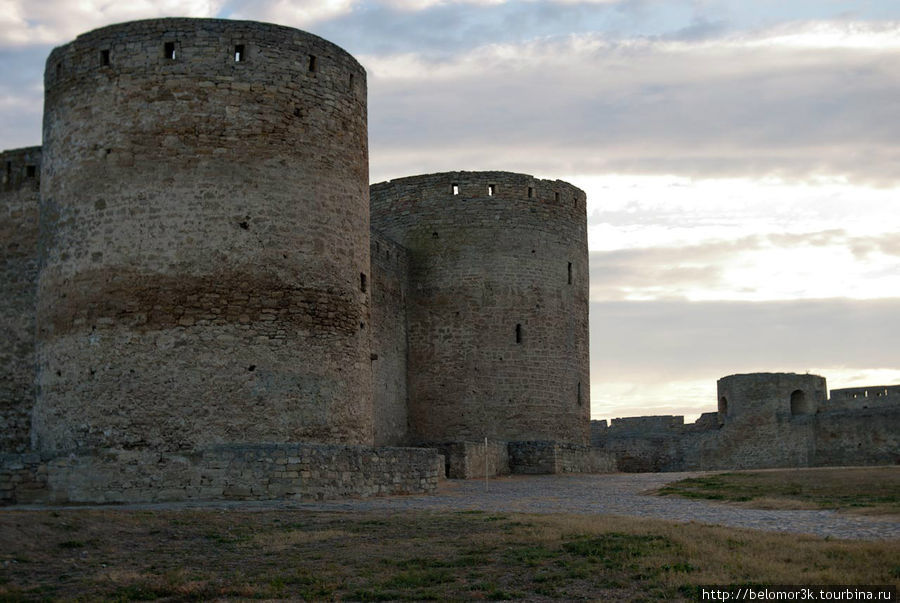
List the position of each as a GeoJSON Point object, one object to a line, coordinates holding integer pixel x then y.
{"type": "Point", "coordinates": [188, 555]}
{"type": "Point", "coordinates": [869, 490]}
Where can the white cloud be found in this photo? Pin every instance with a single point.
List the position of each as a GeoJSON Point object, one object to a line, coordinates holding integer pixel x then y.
{"type": "Point", "coordinates": [734, 106]}
{"type": "Point", "coordinates": [867, 35]}
{"type": "Point", "coordinates": [417, 5]}
{"type": "Point", "coordinates": [29, 22]}
{"type": "Point", "coordinates": [294, 13]}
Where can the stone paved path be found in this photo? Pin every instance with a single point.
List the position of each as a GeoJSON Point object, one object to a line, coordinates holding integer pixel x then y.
{"type": "Point", "coordinates": [616, 494]}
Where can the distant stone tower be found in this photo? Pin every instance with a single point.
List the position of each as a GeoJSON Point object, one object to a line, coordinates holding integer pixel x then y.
{"type": "Point", "coordinates": [767, 398]}
{"type": "Point", "coordinates": [498, 304]}
{"type": "Point", "coordinates": [206, 239]}
{"type": "Point", "coordinates": [19, 200]}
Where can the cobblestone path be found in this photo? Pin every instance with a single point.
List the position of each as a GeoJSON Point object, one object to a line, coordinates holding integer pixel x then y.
{"type": "Point", "coordinates": [615, 494]}
{"type": "Point", "coordinates": [622, 494]}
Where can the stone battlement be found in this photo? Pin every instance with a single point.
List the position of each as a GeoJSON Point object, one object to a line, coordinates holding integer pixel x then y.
{"type": "Point", "coordinates": [518, 192]}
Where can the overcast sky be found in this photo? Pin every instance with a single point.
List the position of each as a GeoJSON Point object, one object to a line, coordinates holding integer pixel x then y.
{"type": "Point", "coordinates": [741, 159]}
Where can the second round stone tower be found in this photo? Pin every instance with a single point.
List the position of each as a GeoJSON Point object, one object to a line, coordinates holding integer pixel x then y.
{"type": "Point", "coordinates": [205, 240]}
{"type": "Point", "coordinates": [498, 304]}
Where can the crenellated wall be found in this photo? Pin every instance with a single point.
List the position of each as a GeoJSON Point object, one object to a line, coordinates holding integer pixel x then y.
{"type": "Point", "coordinates": [859, 398]}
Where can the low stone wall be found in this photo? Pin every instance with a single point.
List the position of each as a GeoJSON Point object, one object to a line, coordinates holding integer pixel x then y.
{"type": "Point", "coordinates": [558, 457]}
{"type": "Point", "coordinates": [858, 437]}
{"type": "Point", "coordinates": [847, 437]}
{"type": "Point", "coordinates": [466, 460]}
{"type": "Point", "coordinates": [244, 472]}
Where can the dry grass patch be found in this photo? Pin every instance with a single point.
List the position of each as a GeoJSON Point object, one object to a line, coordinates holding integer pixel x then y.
{"type": "Point", "coordinates": [232, 555]}
{"type": "Point", "coordinates": [868, 490]}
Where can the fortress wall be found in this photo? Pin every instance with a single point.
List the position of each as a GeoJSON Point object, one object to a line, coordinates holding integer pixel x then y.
{"type": "Point", "coordinates": [539, 457]}
{"type": "Point", "coordinates": [390, 291]}
{"type": "Point", "coordinates": [498, 304]}
{"type": "Point", "coordinates": [859, 398]}
{"type": "Point", "coordinates": [468, 460]}
{"type": "Point", "coordinates": [206, 229]}
{"type": "Point", "coordinates": [857, 437]}
{"type": "Point", "coordinates": [239, 472]}
{"type": "Point", "coordinates": [642, 452]}
{"type": "Point", "coordinates": [599, 433]}
{"type": "Point", "coordinates": [19, 202]}
{"type": "Point", "coordinates": [767, 421]}
{"type": "Point", "coordinates": [705, 422]}
{"type": "Point", "coordinates": [649, 424]}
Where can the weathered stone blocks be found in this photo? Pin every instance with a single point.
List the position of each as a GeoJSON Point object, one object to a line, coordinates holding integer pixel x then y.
{"type": "Point", "coordinates": [206, 229]}
{"type": "Point", "coordinates": [498, 304]}
{"type": "Point", "coordinates": [235, 471]}
{"type": "Point", "coordinates": [19, 199]}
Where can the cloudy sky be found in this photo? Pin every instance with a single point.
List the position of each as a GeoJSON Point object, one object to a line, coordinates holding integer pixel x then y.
{"type": "Point", "coordinates": [741, 158]}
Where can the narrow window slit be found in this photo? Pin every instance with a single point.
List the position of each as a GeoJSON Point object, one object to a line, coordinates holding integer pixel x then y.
{"type": "Point", "coordinates": [362, 282]}
{"type": "Point", "coordinates": [169, 50]}
{"type": "Point", "coordinates": [518, 333]}
{"type": "Point", "coordinates": [530, 192]}
{"type": "Point", "coordinates": [312, 63]}
{"type": "Point", "coordinates": [454, 188]}
{"type": "Point", "coordinates": [239, 54]}
{"type": "Point", "coordinates": [491, 190]}
{"type": "Point", "coordinates": [350, 83]}
{"type": "Point", "coordinates": [104, 58]}
{"type": "Point", "coordinates": [556, 197]}
{"type": "Point", "coordinates": [570, 273]}
{"type": "Point", "coordinates": [578, 394]}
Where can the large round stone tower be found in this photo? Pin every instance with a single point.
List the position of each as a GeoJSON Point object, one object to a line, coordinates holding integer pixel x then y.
{"type": "Point", "coordinates": [762, 398]}
{"type": "Point", "coordinates": [498, 304]}
{"type": "Point", "coordinates": [205, 239]}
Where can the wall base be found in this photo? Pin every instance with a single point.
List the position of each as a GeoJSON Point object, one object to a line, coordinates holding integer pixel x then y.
{"type": "Point", "coordinates": [229, 472]}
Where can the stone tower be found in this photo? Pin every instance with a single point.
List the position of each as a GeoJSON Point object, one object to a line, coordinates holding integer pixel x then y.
{"type": "Point", "coordinates": [497, 310]}
{"type": "Point", "coordinates": [19, 199]}
{"type": "Point", "coordinates": [205, 239]}
{"type": "Point", "coordinates": [766, 398]}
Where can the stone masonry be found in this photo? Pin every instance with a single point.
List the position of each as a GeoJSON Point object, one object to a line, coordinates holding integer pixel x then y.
{"type": "Point", "coordinates": [19, 198]}
{"type": "Point", "coordinates": [193, 295]}
{"type": "Point", "coordinates": [200, 301]}
{"type": "Point", "coordinates": [497, 316]}
{"type": "Point", "coordinates": [764, 420]}
{"type": "Point", "coordinates": [204, 204]}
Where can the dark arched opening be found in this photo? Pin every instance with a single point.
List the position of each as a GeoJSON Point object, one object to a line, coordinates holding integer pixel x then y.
{"type": "Point", "coordinates": [800, 404]}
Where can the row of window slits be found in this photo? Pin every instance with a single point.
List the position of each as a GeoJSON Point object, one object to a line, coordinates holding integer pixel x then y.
{"type": "Point", "coordinates": [492, 190]}
{"type": "Point", "coordinates": [170, 53]}
{"type": "Point", "coordinates": [240, 55]}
